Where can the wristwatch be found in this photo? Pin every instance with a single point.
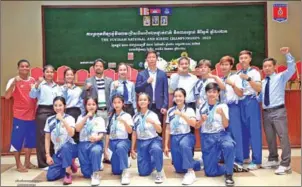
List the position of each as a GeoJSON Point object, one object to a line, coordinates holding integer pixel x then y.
{"type": "Point", "coordinates": [249, 79]}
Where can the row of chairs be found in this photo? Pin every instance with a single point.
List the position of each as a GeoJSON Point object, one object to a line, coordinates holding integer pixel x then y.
{"type": "Point", "coordinates": [296, 78]}
{"type": "Point", "coordinates": [82, 74]}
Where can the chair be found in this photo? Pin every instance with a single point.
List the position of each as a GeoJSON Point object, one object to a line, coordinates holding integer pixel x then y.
{"type": "Point", "coordinates": [36, 72]}
{"type": "Point", "coordinates": [218, 70]}
{"type": "Point", "coordinates": [134, 73]}
{"type": "Point", "coordinates": [81, 75]}
{"type": "Point", "coordinates": [213, 72]}
{"type": "Point", "coordinates": [115, 76]}
{"type": "Point", "coordinates": [129, 70]}
{"type": "Point", "coordinates": [91, 71]}
{"type": "Point", "coordinates": [255, 67]}
{"type": "Point", "coordinates": [238, 66]}
{"type": "Point", "coordinates": [60, 72]}
{"type": "Point", "coordinates": [280, 68]}
{"type": "Point", "coordinates": [55, 76]}
{"type": "Point", "coordinates": [109, 73]}
{"type": "Point", "coordinates": [263, 75]}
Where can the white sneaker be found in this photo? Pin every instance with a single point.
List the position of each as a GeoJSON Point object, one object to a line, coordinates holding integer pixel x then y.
{"type": "Point", "coordinates": [129, 162]}
{"type": "Point", "coordinates": [270, 164]}
{"type": "Point", "coordinates": [282, 170]}
{"type": "Point", "coordinates": [95, 179]}
{"type": "Point", "coordinates": [252, 166]}
{"type": "Point", "coordinates": [189, 178]}
{"type": "Point", "coordinates": [201, 164]}
{"type": "Point", "coordinates": [125, 180]}
{"type": "Point", "coordinates": [158, 178]}
{"type": "Point", "coordinates": [45, 169]}
{"type": "Point", "coordinates": [77, 162]}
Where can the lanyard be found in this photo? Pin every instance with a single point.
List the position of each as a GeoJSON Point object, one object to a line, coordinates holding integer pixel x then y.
{"type": "Point", "coordinates": [114, 121]}
{"type": "Point", "coordinates": [89, 124]}
{"type": "Point", "coordinates": [58, 127]}
{"type": "Point", "coordinates": [211, 113]}
{"type": "Point", "coordinates": [142, 126]}
{"type": "Point", "coordinates": [244, 82]}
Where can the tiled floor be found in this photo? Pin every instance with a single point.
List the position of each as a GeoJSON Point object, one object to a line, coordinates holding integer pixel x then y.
{"type": "Point", "coordinates": [261, 177]}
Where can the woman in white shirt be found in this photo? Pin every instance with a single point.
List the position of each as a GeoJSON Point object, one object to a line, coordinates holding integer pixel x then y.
{"type": "Point", "coordinates": [92, 129]}
{"type": "Point", "coordinates": [149, 144]}
{"type": "Point", "coordinates": [59, 129]}
{"type": "Point", "coordinates": [179, 120]}
{"type": "Point", "coordinates": [119, 126]}
{"type": "Point", "coordinates": [215, 141]}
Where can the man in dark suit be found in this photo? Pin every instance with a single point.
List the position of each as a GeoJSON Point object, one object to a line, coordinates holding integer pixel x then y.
{"type": "Point", "coordinates": [154, 82]}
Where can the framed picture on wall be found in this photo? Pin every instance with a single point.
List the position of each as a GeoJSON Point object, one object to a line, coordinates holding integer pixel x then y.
{"type": "Point", "coordinates": [163, 20]}
{"type": "Point", "coordinates": [155, 20]}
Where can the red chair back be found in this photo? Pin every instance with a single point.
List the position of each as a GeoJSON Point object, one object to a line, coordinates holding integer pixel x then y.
{"type": "Point", "coordinates": [60, 72]}
{"type": "Point", "coordinates": [81, 75]}
{"type": "Point", "coordinates": [218, 70]}
{"type": "Point", "coordinates": [134, 74]}
{"type": "Point", "coordinates": [55, 76]}
{"type": "Point", "coordinates": [36, 72]}
{"type": "Point", "coordinates": [238, 66]}
{"type": "Point", "coordinates": [109, 73]}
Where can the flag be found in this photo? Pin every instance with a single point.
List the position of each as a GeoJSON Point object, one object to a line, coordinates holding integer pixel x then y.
{"type": "Point", "coordinates": [280, 12]}
{"type": "Point", "coordinates": [144, 11]}
{"type": "Point", "coordinates": [155, 11]}
{"type": "Point", "coordinates": [166, 11]}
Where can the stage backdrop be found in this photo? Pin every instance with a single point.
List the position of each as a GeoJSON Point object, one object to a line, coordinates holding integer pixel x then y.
{"type": "Point", "coordinates": [77, 35]}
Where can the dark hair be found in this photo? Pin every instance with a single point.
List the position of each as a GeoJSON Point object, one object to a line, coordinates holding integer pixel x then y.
{"type": "Point", "coordinates": [270, 59]}
{"type": "Point", "coordinates": [114, 97]}
{"type": "Point", "coordinates": [59, 98]}
{"type": "Point", "coordinates": [149, 51]}
{"type": "Point", "coordinates": [99, 60]}
{"type": "Point", "coordinates": [122, 64]}
{"type": "Point", "coordinates": [48, 66]}
{"type": "Point", "coordinates": [246, 52]}
{"type": "Point", "coordinates": [227, 59]}
{"type": "Point", "coordinates": [91, 98]}
{"type": "Point", "coordinates": [140, 94]}
{"type": "Point", "coordinates": [204, 62]}
{"type": "Point", "coordinates": [183, 91]}
{"type": "Point", "coordinates": [183, 58]}
{"type": "Point", "coordinates": [22, 60]}
{"type": "Point", "coordinates": [212, 86]}
{"type": "Point", "coordinates": [66, 70]}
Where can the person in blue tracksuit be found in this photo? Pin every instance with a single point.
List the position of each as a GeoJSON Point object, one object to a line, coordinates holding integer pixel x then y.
{"type": "Point", "coordinates": [149, 144]}
{"type": "Point", "coordinates": [120, 125]}
{"type": "Point", "coordinates": [179, 120]}
{"type": "Point", "coordinates": [230, 96]}
{"type": "Point", "coordinates": [92, 129]}
{"type": "Point", "coordinates": [60, 129]}
{"type": "Point", "coordinates": [213, 118]}
{"type": "Point", "coordinates": [250, 111]}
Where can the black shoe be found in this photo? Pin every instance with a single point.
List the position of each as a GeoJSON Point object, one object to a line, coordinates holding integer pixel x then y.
{"type": "Point", "coordinates": [237, 167]}
{"type": "Point", "coordinates": [106, 161]}
{"type": "Point", "coordinates": [229, 180]}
